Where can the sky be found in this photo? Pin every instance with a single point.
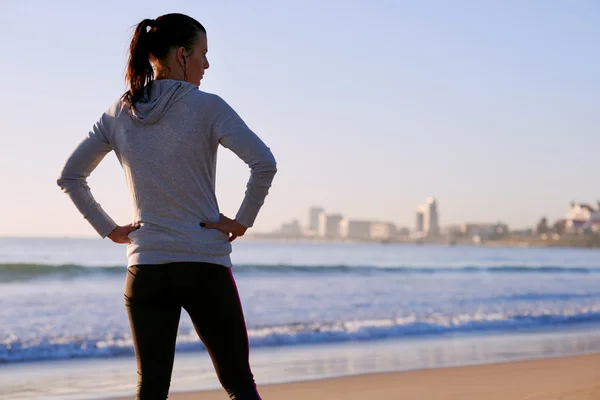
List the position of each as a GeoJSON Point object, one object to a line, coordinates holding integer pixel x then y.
{"type": "Point", "coordinates": [368, 106]}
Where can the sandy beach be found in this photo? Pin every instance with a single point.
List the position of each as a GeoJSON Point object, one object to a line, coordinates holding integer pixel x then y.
{"type": "Point", "coordinates": [567, 378]}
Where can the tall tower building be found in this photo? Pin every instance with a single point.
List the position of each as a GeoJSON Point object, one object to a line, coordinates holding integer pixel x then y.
{"type": "Point", "coordinates": [420, 220]}
{"type": "Point", "coordinates": [427, 218]}
{"type": "Point", "coordinates": [431, 220]}
{"type": "Point", "coordinates": [314, 215]}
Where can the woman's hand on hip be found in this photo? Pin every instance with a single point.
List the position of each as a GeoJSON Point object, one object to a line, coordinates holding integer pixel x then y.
{"type": "Point", "coordinates": [227, 225]}
{"type": "Point", "coordinates": [120, 233]}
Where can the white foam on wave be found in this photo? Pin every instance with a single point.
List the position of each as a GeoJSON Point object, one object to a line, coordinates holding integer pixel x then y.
{"type": "Point", "coordinates": [14, 349]}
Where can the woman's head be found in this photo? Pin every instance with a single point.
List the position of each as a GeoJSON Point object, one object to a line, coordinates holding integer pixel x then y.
{"type": "Point", "coordinates": [171, 46]}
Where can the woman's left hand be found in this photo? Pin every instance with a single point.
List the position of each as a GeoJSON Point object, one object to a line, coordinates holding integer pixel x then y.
{"type": "Point", "coordinates": [228, 226]}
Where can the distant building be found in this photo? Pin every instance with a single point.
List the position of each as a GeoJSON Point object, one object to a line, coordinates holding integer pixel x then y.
{"type": "Point", "coordinates": [291, 229]}
{"type": "Point", "coordinates": [369, 230]}
{"type": "Point", "coordinates": [420, 221]}
{"type": "Point", "coordinates": [582, 217]}
{"type": "Point", "coordinates": [451, 231]}
{"type": "Point", "coordinates": [355, 230]}
{"type": "Point", "coordinates": [314, 214]}
{"type": "Point", "coordinates": [329, 226]}
{"type": "Point", "coordinates": [402, 233]}
{"type": "Point", "coordinates": [484, 230]}
{"type": "Point", "coordinates": [382, 231]}
{"type": "Point", "coordinates": [527, 232]}
{"type": "Point", "coordinates": [427, 218]}
{"type": "Point", "coordinates": [431, 217]}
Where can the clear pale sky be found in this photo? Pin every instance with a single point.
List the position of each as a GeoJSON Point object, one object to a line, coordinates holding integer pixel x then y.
{"type": "Point", "coordinates": [368, 106]}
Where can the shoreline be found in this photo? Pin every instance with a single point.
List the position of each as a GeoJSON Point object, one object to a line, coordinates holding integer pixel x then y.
{"type": "Point", "coordinates": [566, 242]}
{"type": "Point", "coordinates": [311, 365]}
{"type": "Point", "coordinates": [567, 378]}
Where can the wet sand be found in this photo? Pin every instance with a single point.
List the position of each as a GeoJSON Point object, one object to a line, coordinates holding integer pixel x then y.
{"type": "Point", "coordinates": [567, 378]}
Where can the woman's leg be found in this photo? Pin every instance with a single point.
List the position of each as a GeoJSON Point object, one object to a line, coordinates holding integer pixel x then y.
{"type": "Point", "coordinates": [154, 318]}
{"type": "Point", "coordinates": [213, 303]}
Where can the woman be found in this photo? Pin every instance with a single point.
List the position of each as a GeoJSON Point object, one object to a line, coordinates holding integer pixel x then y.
{"type": "Point", "coordinates": [165, 133]}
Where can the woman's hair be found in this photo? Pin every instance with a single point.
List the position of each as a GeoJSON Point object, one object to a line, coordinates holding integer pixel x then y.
{"type": "Point", "coordinates": [152, 40]}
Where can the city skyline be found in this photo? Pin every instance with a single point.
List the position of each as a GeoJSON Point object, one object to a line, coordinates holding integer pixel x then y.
{"type": "Point", "coordinates": [427, 221]}
{"type": "Point", "coordinates": [579, 225]}
{"type": "Point", "coordinates": [368, 108]}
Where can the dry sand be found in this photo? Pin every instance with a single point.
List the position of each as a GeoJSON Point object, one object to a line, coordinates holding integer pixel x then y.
{"type": "Point", "coordinates": [568, 378]}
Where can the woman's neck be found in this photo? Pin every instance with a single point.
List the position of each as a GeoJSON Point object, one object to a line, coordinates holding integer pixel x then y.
{"type": "Point", "coordinates": [165, 74]}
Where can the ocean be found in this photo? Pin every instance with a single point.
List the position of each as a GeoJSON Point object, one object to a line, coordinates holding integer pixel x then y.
{"type": "Point", "coordinates": [377, 306]}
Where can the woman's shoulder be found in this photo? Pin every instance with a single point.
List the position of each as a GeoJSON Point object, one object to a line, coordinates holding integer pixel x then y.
{"type": "Point", "coordinates": [116, 108]}
{"type": "Point", "coordinates": [211, 104]}
{"type": "Point", "coordinates": [212, 99]}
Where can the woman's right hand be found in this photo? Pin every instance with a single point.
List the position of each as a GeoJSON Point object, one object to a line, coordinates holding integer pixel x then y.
{"type": "Point", "coordinates": [121, 233]}
{"type": "Point", "coordinates": [227, 225]}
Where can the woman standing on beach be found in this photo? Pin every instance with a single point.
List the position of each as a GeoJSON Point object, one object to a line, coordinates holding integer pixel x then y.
{"type": "Point", "coordinates": [165, 133]}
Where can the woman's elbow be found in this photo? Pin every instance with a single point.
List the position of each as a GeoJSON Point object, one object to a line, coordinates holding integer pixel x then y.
{"type": "Point", "coordinates": [64, 183]}
{"type": "Point", "coordinates": [68, 182]}
{"type": "Point", "coordinates": [270, 167]}
{"type": "Point", "coordinates": [266, 165]}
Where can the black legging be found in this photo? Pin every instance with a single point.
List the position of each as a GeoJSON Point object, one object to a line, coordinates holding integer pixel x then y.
{"type": "Point", "coordinates": [154, 296]}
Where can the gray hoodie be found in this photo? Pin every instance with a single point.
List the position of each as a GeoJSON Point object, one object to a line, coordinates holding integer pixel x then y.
{"type": "Point", "coordinates": [168, 150]}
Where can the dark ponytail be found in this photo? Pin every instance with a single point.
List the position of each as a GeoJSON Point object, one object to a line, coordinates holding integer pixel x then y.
{"type": "Point", "coordinates": [152, 41]}
{"type": "Point", "coordinates": [139, 70]}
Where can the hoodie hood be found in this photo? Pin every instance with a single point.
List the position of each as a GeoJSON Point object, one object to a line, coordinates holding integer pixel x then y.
{"type": "Point", "coordinates": [164, 93]}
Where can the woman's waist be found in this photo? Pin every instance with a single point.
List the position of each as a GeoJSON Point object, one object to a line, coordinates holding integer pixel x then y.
{"type": "Point", "coordinates": [173, 233]}
{"type": "Point", "coordinates": [175, 219]}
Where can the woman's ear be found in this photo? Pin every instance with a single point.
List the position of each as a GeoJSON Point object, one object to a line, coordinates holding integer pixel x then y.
{"type": "Point", "coordinates": [181, 55]}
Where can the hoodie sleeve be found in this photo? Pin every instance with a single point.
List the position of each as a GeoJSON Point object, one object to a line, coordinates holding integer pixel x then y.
{"type": "Point", "coordinates": [231, 132]}
{"type": "Point", "coordinates": [80, 164]}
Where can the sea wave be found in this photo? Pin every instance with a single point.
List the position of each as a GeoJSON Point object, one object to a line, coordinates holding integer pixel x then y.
{"type": "Point", "coordinates": [14, 349]}
{"type": "Point", "coordinates": [12, 272]}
